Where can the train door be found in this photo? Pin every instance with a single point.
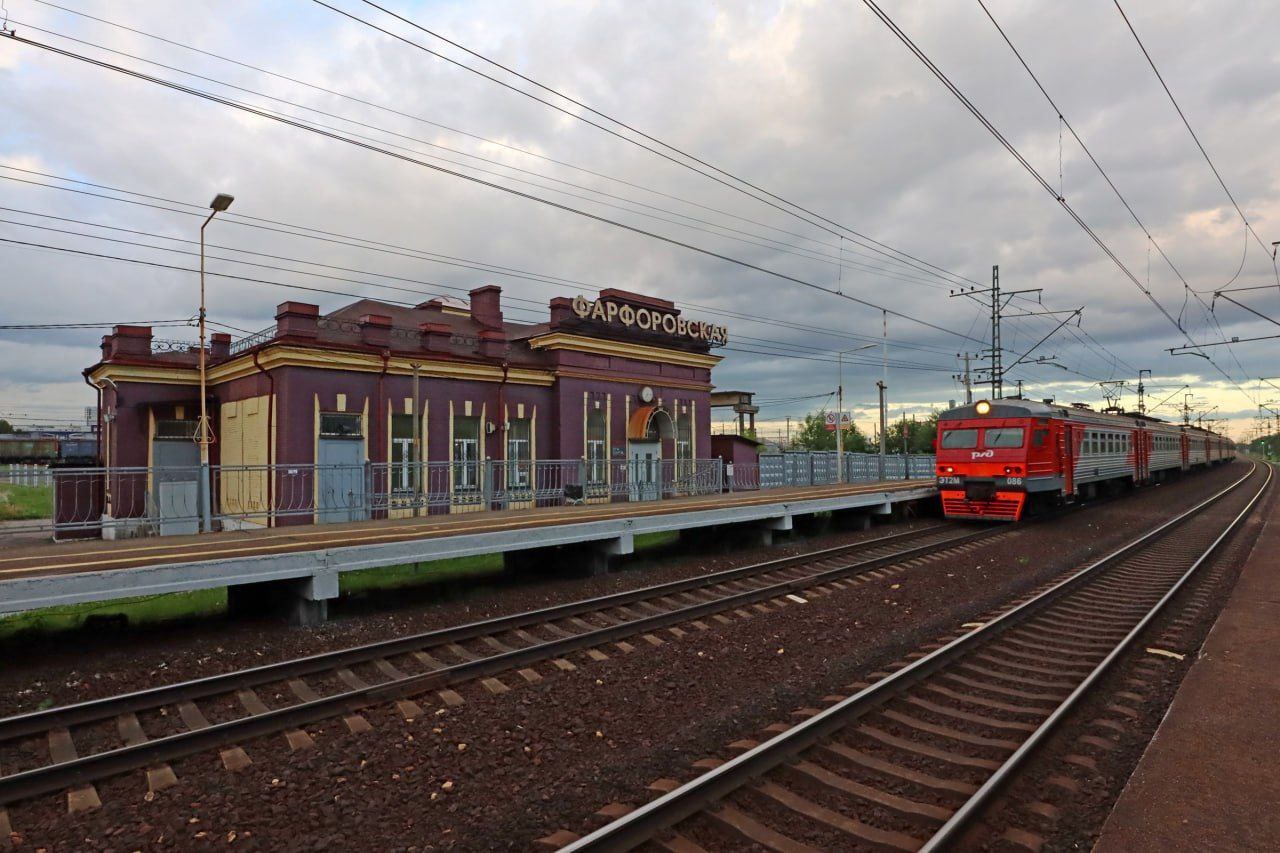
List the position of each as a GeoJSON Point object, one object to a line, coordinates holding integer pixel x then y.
{"type": "Point", "coordinates": [1066, 458]}
{"type": "Point", "coordinates": [1141, 458]}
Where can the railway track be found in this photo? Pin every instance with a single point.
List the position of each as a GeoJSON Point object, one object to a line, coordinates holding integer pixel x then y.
{"type": "Point", "coordinates": [908, 762]}
{"type": "Point", "coordinates": [70, 747]}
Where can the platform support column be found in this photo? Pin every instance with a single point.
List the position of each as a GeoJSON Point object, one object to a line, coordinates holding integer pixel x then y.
{"type": "Point", "coordinates": [301, 601]}
{"type": "Point", "coordinates": [581, 559]}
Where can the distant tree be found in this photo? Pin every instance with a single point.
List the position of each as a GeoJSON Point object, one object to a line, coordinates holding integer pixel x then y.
{"type": "Point", "coordinates": [5, 427]}
{"type": "Point", "coordinates": [921, 434]}
{"type": "Point", "coordinates": [814, 435]}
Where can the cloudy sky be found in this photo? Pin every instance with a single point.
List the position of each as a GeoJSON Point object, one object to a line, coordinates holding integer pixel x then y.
{"type": "Point", "coordinates": [814, 102]}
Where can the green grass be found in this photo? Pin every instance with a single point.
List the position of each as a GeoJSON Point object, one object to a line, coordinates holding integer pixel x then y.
{"type": "Point", "coordinates": [647, 541]}
{"type": "Point", "coordinates": [149, 609]}
{"type": "Point", "coordinates": [25, 502]}
{"type": "Point", "coordinates": [411, 574]}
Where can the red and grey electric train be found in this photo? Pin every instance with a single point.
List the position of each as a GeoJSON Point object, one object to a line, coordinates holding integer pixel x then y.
{"type": "Point", "coordinates": [997, 458]}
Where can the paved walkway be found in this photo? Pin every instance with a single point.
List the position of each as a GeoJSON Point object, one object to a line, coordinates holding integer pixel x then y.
{"type": "Point", "coordinates": [26, 560]}
{"type": "Point", "coordinates": [1210, 780]}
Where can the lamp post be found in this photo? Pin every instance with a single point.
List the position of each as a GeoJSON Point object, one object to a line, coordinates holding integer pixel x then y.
{"type": "Point", "coordinates": [883, 384]}
{"type": "Point", "coordinates": [220, 203]}
{"type": "Point", "coordinates": [840, 408]}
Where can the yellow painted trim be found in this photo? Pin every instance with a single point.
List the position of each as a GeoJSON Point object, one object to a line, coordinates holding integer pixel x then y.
{"type": "Point", "coordinates": [151, 441]}
{"type": "Point", "coordinates": [364, 427]}
{"type": "Point", "coordinates": [292, 356]}
{"type": "Point", "coordinates": [136, 373]}
{"type": "Point", "coordinates": [642, 352]}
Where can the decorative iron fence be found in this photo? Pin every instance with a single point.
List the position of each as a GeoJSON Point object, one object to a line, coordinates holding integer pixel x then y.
{"type": "Point", "coordinates": [140, 501]}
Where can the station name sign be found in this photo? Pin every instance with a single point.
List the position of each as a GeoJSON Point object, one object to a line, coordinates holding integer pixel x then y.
{"type": "Point", "coordinates": [650, 319]}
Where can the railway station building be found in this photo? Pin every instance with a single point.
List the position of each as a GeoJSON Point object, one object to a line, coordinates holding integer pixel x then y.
{"type": "Point", "coordinates": [620, 379]}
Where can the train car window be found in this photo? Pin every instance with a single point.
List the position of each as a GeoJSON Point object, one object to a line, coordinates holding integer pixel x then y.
{"type": "Point", "coordinates": [1039, 437]}
{"type": "Point", "coordinates": [1004, 437]}
{"type": "Point", "coordinates": [959, 439]}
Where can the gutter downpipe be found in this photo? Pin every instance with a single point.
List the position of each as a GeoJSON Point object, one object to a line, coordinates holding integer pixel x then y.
{"type": "Point", "coordinates": [104, 445]}
{"type": "Point", "coordinates": [271, 444]}
{"type": "Point", "coordinates": [384, 425]}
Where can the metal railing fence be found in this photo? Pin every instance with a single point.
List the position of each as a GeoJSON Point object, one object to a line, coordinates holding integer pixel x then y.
{"type": "Point", "coordinates": [142, 501]}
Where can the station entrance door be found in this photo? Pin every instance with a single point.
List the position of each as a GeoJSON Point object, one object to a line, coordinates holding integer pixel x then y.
{"type": "Point", "coordinates": [644, 467]}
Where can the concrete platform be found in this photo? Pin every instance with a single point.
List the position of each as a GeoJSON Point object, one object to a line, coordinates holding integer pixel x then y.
{"type": "Point", "coordinates": [306, 561]}
{"type": "Point", "coordinates": [1210, 780]}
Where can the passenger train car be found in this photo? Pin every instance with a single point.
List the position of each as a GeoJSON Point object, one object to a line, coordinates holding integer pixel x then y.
{"type": "Point", "coordinates": [997, 458]}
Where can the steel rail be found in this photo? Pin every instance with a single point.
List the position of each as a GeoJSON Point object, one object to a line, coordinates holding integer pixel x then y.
{"type": "Point", "coordinates": [646, 822]}
{"type": "Point", "coordinates": [55, 777]}
{"type": "Point", "coordinates": [34, 722]}
{"type": "Point", "coordinates": [973, 806]}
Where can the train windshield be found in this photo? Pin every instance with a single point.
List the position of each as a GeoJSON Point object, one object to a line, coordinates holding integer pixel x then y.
{"type": "Point", "coordinates": [959, 439]}
{"type": "Point", "coordinates": [1004, 437]}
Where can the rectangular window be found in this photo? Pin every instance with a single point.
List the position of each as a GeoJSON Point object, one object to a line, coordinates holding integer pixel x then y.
{"type": "Point", "coordinates": [466, 453]}
{"type": "Point", "coordinates": [1039, 437]}
{"type": "Point", "coordinates": [684, 443]}
{"type": "Point", "coordinates": [340, 425]}
{"type": "Point", "coordinates": [597, 447]}
{"type": "Point", "coordinates": [519, 451]}
{"type": "Point", "coordinates": [404, 473]}
{"type": "Point", "coordinates": [959, 439]}
{"type": "Point", "coordinates": [176, 429]}
{"type": "Point", "coordinates": [1004, 437]}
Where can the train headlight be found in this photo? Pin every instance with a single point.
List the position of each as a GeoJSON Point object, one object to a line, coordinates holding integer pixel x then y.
{"type": "Point", "coordinates": [983, 407]}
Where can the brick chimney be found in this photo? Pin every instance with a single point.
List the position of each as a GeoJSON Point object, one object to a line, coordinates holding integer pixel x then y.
{"type": "Point", "coordinates": [562, 312]}
{"type": "Point", "coordinates": [486, 306]}
{"type": "Point", "coordinates": [297, 320]}
{"type": "Point", "coordinates": [219, 345]}
{"type": "Point", "coordinates": [129, 340]}
{"type": "Point", "coordinates": [493, 343]}
{"type": "Point", "coordinates": [435, 336]}
{"type": "Point", "coordinates": [375, 329]}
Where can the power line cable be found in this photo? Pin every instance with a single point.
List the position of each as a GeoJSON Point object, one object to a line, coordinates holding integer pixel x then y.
{"type": "Point", "coordinates": [536, 311]}
{"type": "Point", "coordinates": [518, 193]}
{"type": "Point", "coordinates": [1035, 174]}
{"type": "Point", "coordinates": [1062, 121]}
{"type": "Point", "coordinates": [746, 237]}
{"type": "Point", "coordinates": [764, 196]}
{"type": "Point", "coordinates": [1190, 130]}
{"type": "Point", "coordinates": [943, 275]}
{"type": "Point", "coordinates": [408, 252]}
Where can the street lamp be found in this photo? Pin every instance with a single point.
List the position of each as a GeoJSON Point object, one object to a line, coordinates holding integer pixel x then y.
{"type": "Point", "coordinates": [840, 408]}
{"type": "Point", "coordinates": [220, 202]}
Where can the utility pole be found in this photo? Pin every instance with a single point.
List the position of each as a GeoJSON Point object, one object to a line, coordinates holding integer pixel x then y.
{"type": "Point", "coordinates": [965, 378]}
{"type": "Point", "coordinates": [1142, 391]}
{"type": "Point", "coordinates": [881, 387]}
{"type": "Point", "coordinates": [418, 468]}
{"type": "Point", "coordinates": [999, 300]}
{"type": "Point", "coordinates": [1019, 389]}
{"type": "Point", "coordinates": [883, 384]}
{"type": "Point", "coordinates": [788, 444]}
{"type": "Point", "coordinates": [997, 371]}
{"type": "Point", "coordinates": [1186, 409]}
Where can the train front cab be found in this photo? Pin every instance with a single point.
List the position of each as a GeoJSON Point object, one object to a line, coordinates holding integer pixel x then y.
{"type": "Point", "coordinates": [988, 466]}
